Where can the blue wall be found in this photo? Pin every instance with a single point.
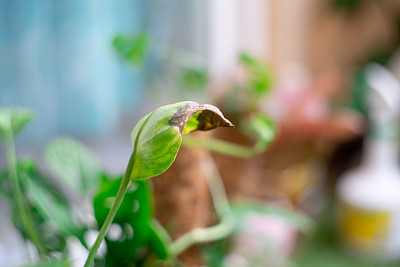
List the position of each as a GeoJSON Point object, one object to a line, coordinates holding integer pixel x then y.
{"type": "Point", "coordinates": [56, 57]}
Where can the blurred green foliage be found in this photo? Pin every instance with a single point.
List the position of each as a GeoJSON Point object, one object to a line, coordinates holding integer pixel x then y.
{"type": "Point", "coordinates": [347, 5]}
{"type": "Point", "coordinates": [63, 262]}
{"type": "Point", "coordinates": [143, 242]}
{"type": "Point", "coordinates": [262, 127]}
{"type": "Point", "coordinates": [74, 166]}
{"type": "Point", "coordinates": [33, 184]}
{"type": "Point", "coordinates": [133, 50]}
{"type": "Point", "coordinates": [359, 89]}
{"type": "Point", "coordinates": [260, 78]}
{"type": "Point", "coordinates": [18, 118]}
{"type": "Point", "coordinates": [193, 79]}
{"type": "Point", "coordinates": [247, 96]}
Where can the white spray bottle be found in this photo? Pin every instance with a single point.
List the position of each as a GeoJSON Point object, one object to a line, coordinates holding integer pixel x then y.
{"type": "Point", "coordinates": [369, 196]}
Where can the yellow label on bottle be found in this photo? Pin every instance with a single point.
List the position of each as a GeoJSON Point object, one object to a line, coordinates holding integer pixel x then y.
{"type": "Point", "coordinates": [361, 229]}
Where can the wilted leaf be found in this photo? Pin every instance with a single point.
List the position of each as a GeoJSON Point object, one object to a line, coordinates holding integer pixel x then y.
{"type": "Point", "coordinates": [17, 118]}
{"type": "Point", "coordinates": [157, 137]}
{"type": "Point", "coordinates": [73, 164]}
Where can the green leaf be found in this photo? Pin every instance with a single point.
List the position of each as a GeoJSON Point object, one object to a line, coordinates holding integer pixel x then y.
{"type": "Point", "coordinates": [156, 138]}
{"type": "Point", "coordinates": [51, 237]}
{"type": "Point", "coordinates": [63, 262]}
{"type": "Point", "coordinates": [136, 208]}
{"type": "Point", "coordinates": [193, 79]}
{"type": "Point", "coordinates": [29, 169]}
{"type": "Point", "coordinates": [133, 50]}
{"type": "Point", "coordinates": [260, 75]}
{"type": "Point", "coordinates": [17, 118]}
{"type": "Point", "coordinates": [262, 128]}
{"type": "Point", "coordinates": [73, 164]}
{"type": "Point", "coordinates": [160, 240]}
{"type": "Point", "coordinates": [54, 210]}
{"type": "Point", "coordinates": [132, 219]}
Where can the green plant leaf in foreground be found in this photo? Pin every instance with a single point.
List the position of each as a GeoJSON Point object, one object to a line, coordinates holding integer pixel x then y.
{"type": "Point", "coordinates": [156, 138]}
{"type": "Point", "coordinates": [18, 118]}
{"type": "Point", "coordinates": [137, 232]}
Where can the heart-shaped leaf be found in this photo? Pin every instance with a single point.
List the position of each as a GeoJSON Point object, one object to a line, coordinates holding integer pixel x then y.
{"type": "Point", "coordinates": [16, 118]}
{"type": "Point", "coordinates": [157, 137]}
{"type": "Point", "coordinates": [132, 220]}
{"type": "Point", "coordinates": [133, 50]}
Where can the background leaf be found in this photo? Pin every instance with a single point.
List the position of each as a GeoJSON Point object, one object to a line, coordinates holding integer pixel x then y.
{"type": "Point", "coordinates": [262, 128]}
{"type": "Point", "coordinates": [18, 117]}
{"type": "Point", "coordinates": [133, 49]}
{"type": "Point", "coordinates": [50, 263]}
{"type": "Point", "coordinates": [53, 239]}
{"type": "Point", "coordinates": [54, 210]}
{"type": "Point", "coordinates": [73, 164]}
{"type": "Point", "coordinates": [260, 76]}
{"type": "Point", "coordinates": [193, 79]}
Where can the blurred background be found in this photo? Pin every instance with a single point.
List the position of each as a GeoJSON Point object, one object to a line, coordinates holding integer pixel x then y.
{"type": "Point", "coordinates": [92, 69]}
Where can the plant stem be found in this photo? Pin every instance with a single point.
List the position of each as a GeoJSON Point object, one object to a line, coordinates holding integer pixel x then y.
{"type": "Point", "coordinates": [222, 208]}
{"type": "Point", "coordinates": [126, 181]}
{"type": "Point", "coordinates": [23, 211]}
{"type": "Point", "coordinates": [223, 147]}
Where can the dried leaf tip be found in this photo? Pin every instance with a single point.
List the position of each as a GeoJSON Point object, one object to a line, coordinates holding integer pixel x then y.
{"type": "Point", "coordinates": [209, 118]}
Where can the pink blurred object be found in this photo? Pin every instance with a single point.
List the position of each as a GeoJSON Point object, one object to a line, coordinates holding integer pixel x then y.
{"type": "Point", "coordinates": [264, 240]}
{"type": "Point", "coordinates": [302, 107]}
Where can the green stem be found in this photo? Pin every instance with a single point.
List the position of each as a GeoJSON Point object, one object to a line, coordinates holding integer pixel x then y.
{"type": "Point", "coordinates": [222, 208]}
{"type": "Point", "coordinates": [126, 181]}
{"type": "Point", "coordinates": [223, 147]}
{"type": "Point", "coordinates": [26, 218]}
